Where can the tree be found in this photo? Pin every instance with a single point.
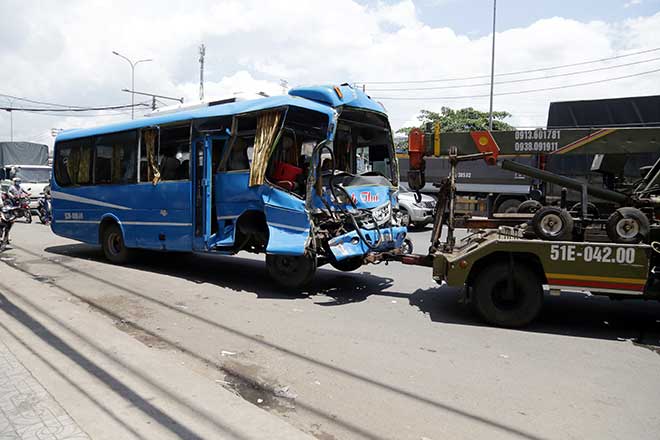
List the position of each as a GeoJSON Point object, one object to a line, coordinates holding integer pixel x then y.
{"type": "Point", "coordinates": [465, 119]}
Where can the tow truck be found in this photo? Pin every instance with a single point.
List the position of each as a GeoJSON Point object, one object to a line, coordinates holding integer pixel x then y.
{"type": "Point", "coordinates": [505, 269]}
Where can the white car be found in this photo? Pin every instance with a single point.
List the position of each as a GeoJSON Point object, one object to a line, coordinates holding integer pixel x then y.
{"type": "Point", "coordinates": [418, 214]}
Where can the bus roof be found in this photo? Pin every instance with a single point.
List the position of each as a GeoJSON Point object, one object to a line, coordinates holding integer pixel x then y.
{"type": "Point", "coordinates": [319, 98]}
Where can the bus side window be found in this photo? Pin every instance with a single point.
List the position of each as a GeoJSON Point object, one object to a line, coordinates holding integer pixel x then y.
{"type": "Point", "coordinates": [239, 156]}
{"type": "Point", "coordinates": [174, 153]}
{"type": "Point", "coordinates": [115, 158]}
{"type": "Point", "coordinates": [73, 162]}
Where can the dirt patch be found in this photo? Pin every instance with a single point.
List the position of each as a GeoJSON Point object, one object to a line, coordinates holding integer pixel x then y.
{"type": "Point", "coordinates": [246, 381]}
{"type": "Point", "coordinates": [151, 341]}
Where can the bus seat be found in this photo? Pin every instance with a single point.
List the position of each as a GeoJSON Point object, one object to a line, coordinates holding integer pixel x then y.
{"type": "Point", "coordinates": [168, 168]}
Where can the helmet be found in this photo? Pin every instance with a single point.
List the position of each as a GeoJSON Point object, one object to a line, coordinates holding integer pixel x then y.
{"type": "Point", "coordinates": [16, 180]}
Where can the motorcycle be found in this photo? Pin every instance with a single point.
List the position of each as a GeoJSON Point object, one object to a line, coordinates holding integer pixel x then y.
{"type": "Point", "coordinates": [22, 205]}
{"type": "Point", "coordinates": [7, 218]}
{"type": "Point", "coordinates": [44, 210]}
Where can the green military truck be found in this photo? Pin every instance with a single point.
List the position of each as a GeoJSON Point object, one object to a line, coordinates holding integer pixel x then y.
{"type": "Point", "coordinates": [505, 275]}
{"type": "Point", "coordinates": [506, 270]}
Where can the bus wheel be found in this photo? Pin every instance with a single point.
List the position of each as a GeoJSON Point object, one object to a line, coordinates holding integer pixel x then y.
{"type": "Point", "coordinates": [291, 271]}
{"type": "Point", "coordinates": [627, 225]}
{"type": "Point", "coordinates": [113, 245]}
{"type": "Point", "coordinates": [507, 298]}
{"type": "Point", "coordinates": [552, 223]}
{"type": "Point", "coordinates": [347, 264]}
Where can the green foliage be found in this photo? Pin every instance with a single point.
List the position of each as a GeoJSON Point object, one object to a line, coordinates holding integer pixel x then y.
{"type": "Point", "coordinates": [465, 119]}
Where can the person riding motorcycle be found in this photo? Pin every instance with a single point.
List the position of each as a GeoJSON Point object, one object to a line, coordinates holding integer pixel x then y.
{"type": "Point", "coordinates": [15, 192]}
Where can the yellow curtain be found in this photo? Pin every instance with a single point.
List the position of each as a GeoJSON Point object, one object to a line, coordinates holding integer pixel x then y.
{"type": "Point", "coordinates": [264, 143]}
{"type": "Point", "coordinates": [73, 165]}
{"type": "Point", "coordinates": [116, 163]}
{"type": "Point", "coordinates": [153, 173]}
{"type": "Point", "coordinates": [85, 162]}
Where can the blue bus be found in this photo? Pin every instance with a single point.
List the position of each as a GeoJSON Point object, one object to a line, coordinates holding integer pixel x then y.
{"type": "Point", "coordinates": [307, 178]}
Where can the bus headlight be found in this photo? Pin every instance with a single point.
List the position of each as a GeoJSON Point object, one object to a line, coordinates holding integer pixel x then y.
{"type": "Point", "coordinates": [383, 213]}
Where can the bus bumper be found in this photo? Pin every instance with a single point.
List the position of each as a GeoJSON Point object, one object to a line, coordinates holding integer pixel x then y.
{"type": "Point", "coordinates": [351, 245]}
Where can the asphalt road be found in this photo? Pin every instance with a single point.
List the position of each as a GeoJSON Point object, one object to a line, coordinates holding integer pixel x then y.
{"type": "Point", "coordinates": [382, 353]}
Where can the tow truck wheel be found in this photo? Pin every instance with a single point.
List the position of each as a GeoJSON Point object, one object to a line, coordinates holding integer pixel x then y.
{"type": "Point", "coordinates": [291, 271]}
{"type": "Point", "coordinates": [553, 224]}
{"type": "Point", "coordinates": [529, 207]}
{"type": "Point", "coordinates": [507, 298]}
{"type": "Point", "coordinates": [509, 206]}
{"type": "Point", "coordinates": [627, 225]}
{"type": "Point", "coordinates": [347, 264]}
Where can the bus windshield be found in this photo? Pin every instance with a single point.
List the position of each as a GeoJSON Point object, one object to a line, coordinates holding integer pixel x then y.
{"type": "Point", "coordinates": [363, 145]}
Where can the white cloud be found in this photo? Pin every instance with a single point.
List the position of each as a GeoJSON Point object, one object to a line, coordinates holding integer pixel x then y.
{"type": "Point", "coordinates": [632, 3]}
{"type": "Point", "coordinates": [61, 52]}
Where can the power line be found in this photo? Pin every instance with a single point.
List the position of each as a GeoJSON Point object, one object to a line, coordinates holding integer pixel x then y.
{"type": "Point", "coordinates": [18, 98]}
{"type": "Point", "coordinates": [539, 69]}
{"type": "Point", "coordinates": [77, 109]}
{"type": "Point", "coordinates": [519, 92]}
{"type": "Point", "coordinates": [512, 81]}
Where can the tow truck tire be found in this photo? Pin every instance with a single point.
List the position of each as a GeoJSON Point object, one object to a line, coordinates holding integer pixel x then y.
{"type": "Point", "coordinates": [627, 225]}
{"type": "Point", "coordinates": [529, 207]}
{"type": "Point", "coordinates": [114, 248]}
{"type": "Point", "coordinates": [492, 300]}
{"type": "Point", "coordinates": [592, 210]}
{"type": "Point", "coordinates": [552, 224]}
{"type": "Point", "coordinates": [289, 271]}
{"type": "Point", "coordinates": [347, 264]}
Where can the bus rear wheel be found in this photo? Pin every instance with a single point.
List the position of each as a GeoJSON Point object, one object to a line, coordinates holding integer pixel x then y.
{"type": "Point", "coordinates": [114, 248]}
{"type": "Point", "coordinates": [291, 271]}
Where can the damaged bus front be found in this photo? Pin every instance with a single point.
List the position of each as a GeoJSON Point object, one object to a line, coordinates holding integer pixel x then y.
{"type": "Point", "coordinates": [322, 185]}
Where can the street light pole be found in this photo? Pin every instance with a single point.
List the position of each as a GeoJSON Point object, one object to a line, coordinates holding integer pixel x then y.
{"type": "Point", "coordinates": [492, 70]}
{"type": "Point", "coordinates": [133, 64]}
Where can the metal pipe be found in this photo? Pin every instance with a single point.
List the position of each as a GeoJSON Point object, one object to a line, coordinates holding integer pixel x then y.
{"type": "Point", "coordinates": [492, 70]}
{"type": "Point", "coordinates": [573, 184]}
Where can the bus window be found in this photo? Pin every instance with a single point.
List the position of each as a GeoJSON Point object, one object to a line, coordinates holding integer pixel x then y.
{"type": "Point", "coordinates": [73, 162]}
{"type": "Point", "coordinates": [174, 153]}
{"type": "Point", "coordinates": [115, 158]}
{"type": "Point", "coordinates": [239, 156]}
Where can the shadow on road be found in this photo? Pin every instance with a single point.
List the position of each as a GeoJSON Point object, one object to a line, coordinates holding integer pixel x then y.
{"type": "Point", "coordinates": [571, 314]}
{"type": "Point", "coordinates": [241, 274]}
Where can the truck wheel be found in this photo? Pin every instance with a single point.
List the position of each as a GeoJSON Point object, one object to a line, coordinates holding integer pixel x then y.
{"type": "Point", "coordinates": [505, 305]}
{"type": "Point", "coordinates": [627, 225]}
{"type": "Point", "coordinates": [529, 207]}
{"type": "Point", "coordinates": [114, 248]}
{"type": "Point", "coordinates": [291, 271]}
{"type": "Point", "coordinates": [552, 223]}
{"type": "Point", "coordinates": [347, 264]}
{"type": "Point", "coordinates": [509, 206]}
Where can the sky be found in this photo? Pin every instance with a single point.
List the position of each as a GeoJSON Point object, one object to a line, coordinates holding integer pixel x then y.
{"type": "Point", "coordinates": [409, 55]}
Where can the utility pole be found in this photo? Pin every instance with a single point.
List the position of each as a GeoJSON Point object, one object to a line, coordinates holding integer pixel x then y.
{"type": "Point", "coordinates": [202, 52]}
{"type": "Point", "coordinates": [133, 64]}
{"type": "Point", "coordinates": [492, 70]}
{"type": "Point", "coordinates": [285, 85]}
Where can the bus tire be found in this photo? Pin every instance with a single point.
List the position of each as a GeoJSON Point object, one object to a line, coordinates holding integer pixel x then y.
{"type": "Point", "coordinates": [498, 306]}
{"type": "Point", "coordinates": [508, 206]}
{"type": "Point", "coordinates": [552, 224]}
{"type": "Point", "coordinates": [347, 264]}
{"type": "Point", "coordinates": [627, 225]}
{"type": "Point", "coordinates": [114, 248]}
{"type": "Point", "coordinates": [289, 271]}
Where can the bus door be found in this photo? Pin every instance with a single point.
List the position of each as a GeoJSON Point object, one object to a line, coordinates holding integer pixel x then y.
{"type": "Point", "coordinates": [202, 191]}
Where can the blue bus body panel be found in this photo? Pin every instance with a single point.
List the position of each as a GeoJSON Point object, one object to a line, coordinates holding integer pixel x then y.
{"type": "Point", "coordinates": [349, 97]}
{"type": "Point", "coordinates": [151, 216]}
{"type": "Point", "coordinates": [350, 245]}
{"type": "Point", "coordinates": [204, 112]}
{"type": "Point", "coordinates": [288, 222]}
